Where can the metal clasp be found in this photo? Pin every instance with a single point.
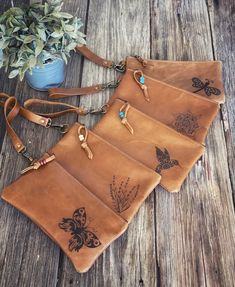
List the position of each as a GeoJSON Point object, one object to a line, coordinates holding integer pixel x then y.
{"type": "Point", "coordinates": [111, 84]}
{"type": "Point", "coordinates": [26, 155]}
{"type": "Point", "coordinates": [120, 67]}
{"type": "Point", "coordinates": [101, 110]}
{"type": "Point", "coordinates": [62, 128]}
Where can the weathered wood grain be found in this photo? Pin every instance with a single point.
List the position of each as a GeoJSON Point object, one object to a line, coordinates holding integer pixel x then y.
{"type": "Point", "coordinates": [115, 29]}
{"type": "Point", "coordinates": [27, 256]}
{"type": "Point", "coordinates": [184, 239]}
{"type": "Point", "coordinates": [195, 233]}
{"type": "Point", "coordinates": [222, 17]}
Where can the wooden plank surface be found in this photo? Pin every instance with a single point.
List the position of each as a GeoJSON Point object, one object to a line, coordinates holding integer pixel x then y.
{"type": "Point", "coordinates": [184, 239]}
{"type": "Point", "coordinates": [199, 239]}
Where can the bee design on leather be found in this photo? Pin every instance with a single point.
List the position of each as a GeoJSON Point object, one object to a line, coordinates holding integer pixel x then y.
{"type": "Point", "coordinates": [197, 83]}
{"type": "Point", "coordinates": [79, 230]}
{"type": "Point", "coordinates": [186, 123]}
{"type": "Point", "coordinates": [122, 196]}
{"type": "Point", "coordinates": [165, 162]}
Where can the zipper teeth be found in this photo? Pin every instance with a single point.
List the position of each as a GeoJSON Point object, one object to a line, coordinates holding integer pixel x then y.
{"type": "Point", "coordinates": [181, 90]}
{"type": "Point", "coordinates": [174, 61]}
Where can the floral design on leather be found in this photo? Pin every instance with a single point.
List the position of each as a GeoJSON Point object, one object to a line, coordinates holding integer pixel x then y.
{"type": "Point", "coordinates": [186, 123]}
{"type": "Point", "coordinates": [122, 196]}
{"type": "Point", "coordinates": [79, 230]}
{"type": "Point", "coordinates": [197, 83]}
{"type": "Point", "coordinates": [165, 162]}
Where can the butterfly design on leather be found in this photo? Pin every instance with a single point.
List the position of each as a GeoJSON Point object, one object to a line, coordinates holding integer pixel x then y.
{"type": "Point", "coordinates": [197, 83]}
{"type": "Point", "coordinates": [165, 162]}
{"type": "Point", "coordinates": [81, 235]}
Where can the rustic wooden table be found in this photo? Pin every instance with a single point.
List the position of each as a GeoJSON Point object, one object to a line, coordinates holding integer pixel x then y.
{"type": "Point", "coordinates": [183, 239]}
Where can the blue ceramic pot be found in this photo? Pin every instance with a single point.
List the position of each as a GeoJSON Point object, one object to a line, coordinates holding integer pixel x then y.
{"type": "Point", "coordinates": [51, 75]}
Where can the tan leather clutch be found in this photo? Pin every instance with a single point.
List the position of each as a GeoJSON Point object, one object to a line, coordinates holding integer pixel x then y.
{"type": "Point", "coordinates": [185, 112]}
{"type": "Point", "coordinates": [202, 77]}
{"type": "Point", "coordinates": [154, 144]}
{"type": "Point", "coordinates": [82, 193]}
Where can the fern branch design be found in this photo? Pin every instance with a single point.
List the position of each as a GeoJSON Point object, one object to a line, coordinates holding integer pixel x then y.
{"type": "Point", "coordinates": [122, 196]}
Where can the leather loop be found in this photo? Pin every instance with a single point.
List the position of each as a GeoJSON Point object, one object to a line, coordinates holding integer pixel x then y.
{"type": "Point", "coordinates": [30, 116]}
{"type": "Point", "coordinates": [87, 53]}
{"type": "Point", "coordinates": [140, 80]}
{"type": "Point", "coordinates": [11, 110]}
{"type": "Point", "coordinates": [123, 116]}
{"type": "Point", "coordinates": [59, 93]}
{"type": "Point", "coordinates": [83, 140]}
{"type": "Point", "coordinates": [70, 108]}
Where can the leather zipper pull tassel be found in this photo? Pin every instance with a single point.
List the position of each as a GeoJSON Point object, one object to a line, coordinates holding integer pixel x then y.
{"type": "Point", "coordinates": [36, 165]}
{"type": "Point", "coordinates": [83, 141]}
{"type": "Point", "coordinates": [123, 116]}
{"type": "Point", "coordinates": [140, 80]}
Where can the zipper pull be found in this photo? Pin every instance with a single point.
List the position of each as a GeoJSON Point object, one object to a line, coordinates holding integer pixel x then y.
{"type": "Point", "coordinates": [141, 60]}
{"type": "Point", "coordinates": [36, 165]}
{"type": "Point", "coordinates": [83, 141]}
{"type": "Point", "coordinates": [123, 116]}
{"type": "Point", "coordinates": [140, 80]}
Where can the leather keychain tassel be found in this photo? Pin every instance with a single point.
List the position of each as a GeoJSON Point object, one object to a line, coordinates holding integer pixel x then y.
{"type": "Point", "coordinates": [123, 116]}
{"type": "Point", "coordinates": [83, 140]}
{"type": "Point", "coordinates": [140, 80]}
{"type": "Point", "coordinates": [36, 165]}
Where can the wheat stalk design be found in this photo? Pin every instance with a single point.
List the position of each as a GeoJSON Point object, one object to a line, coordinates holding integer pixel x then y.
{"type": "Point", "coordinates": [122, 196]}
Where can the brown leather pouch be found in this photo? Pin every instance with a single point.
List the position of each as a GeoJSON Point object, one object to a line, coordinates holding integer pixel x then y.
{"type": "Point", "coordinates": [202, 77]}
{"type": "Point", "coordinates": [185, 112]}
{"type": "Point", "coordinates": [82, 193]}
{"type": "Point", "coordinates": [156, 145]}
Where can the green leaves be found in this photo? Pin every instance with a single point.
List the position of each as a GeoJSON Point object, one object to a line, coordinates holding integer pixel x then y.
{"type": "Point", "coordinates": [37, 34]}
{"type": "Point", "coordinates": [14, 73]}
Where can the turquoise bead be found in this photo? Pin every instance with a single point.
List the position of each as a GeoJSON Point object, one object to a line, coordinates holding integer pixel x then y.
{"type": "Point", "coordinates": [142, 80]}
{"type": "Point", "coordinates": [121, 114]}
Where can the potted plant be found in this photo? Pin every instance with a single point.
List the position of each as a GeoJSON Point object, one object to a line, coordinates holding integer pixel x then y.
{"type": "Point", "coordinates": [36, 41]}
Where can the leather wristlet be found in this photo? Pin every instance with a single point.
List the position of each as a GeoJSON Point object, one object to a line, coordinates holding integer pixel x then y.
{"type": "Point", "coordinates": [187, 113]}
{"type": "Point", "coordinates": [154, 144]}
{"type": "Point", "coordinates": [202, 77]}
{"type": "Point", "coordinates": [75, 193]}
